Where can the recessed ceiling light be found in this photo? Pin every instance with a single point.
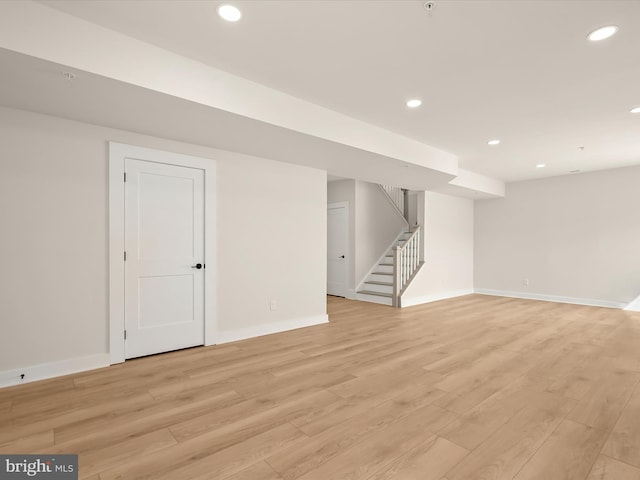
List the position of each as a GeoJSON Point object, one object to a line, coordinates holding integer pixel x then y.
{"type": "Point", "coordinates": [635, 110]}
{"type": "Point", "coordinates": [229, 13]}
{"type": "Point", "coordinates": [602, 33]}
{"type": "Point", "coordinates": [414, 103]}
{"type": "Point", "coordinates": [493, 142]}
{"type": "Point", "coordinates": [541, 165]}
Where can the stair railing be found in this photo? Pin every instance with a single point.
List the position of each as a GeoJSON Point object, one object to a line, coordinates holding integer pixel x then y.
{"type": "Point", "coordinates": [406, 260]}
{"type": "Point", "coordinates": [397, 196]}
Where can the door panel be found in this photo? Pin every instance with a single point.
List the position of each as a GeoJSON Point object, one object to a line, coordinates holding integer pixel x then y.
{"type": "Point", "coordinates": [337, 246]}
{"type": "Point", "coordinates": [165, 300]}
{"type": "Point", "coordinates": [164, 239]}
{"type": "Point", "coordinates": [165, 213]}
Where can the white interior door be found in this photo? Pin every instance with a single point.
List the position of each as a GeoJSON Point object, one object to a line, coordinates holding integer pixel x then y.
{"type": "Point", "coordinates": [164, 244]}
{"type": "Point", "coordinates": [337, 248]}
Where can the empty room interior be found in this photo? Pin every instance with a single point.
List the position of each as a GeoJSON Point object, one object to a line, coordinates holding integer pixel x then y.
{"type": "Point", "coordinates": [320, 239]}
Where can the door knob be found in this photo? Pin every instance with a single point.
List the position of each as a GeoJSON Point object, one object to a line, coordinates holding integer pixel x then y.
{"type": "Point", "coordinates": [341, 256]}
{"type": "Point", "coordinates": [197, 265]}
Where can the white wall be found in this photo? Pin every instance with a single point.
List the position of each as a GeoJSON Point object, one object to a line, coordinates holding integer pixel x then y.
{"type": "Point", "coordinates": [271, 225]}
{"type": "Point", "coordinates": [448, 249]}
{"type": "Point", "coordinates": [575, 238]}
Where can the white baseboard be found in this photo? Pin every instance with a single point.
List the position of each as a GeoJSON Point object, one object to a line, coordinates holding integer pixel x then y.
{"type": "Point", "coordinates": [53, 369]}
{"type": "Point", "coordinates": [351, 294]}
{"type": "Point", "coordinates": [552, 298]}
{"type": "Point", "coordinates": [269, 328]}
{"type": "Point", "coordinates": [365, 297]}
{"type": "Point", "coordinates": [410, 302]}
{"type": "Point", "coordinates": [633, 306]}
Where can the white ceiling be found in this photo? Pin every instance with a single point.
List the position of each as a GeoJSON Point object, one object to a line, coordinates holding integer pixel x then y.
{"type": "Point", "coordinates": [521, 71]}
{"type": "Point", "coordinates": [37, 85]}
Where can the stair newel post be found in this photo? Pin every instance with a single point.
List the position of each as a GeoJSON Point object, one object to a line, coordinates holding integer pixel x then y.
{"type": "Point", "coordinates": [405, 204]}
{"type": "Point", "coordinates": [397, 275]}
{"type": "Point", "coordinates": [410, 257]}
{"type": "Point", "coordinates": [413, 254]}
{"type": "Point", "coordinates": [405, 266]}
{"type": "Point", "coordinates": [416, 250]}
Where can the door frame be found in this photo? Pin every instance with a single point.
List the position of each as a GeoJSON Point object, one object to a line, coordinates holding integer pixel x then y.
{"type": "Point", "coordinates": [348, 252]}
{"type": "Point", "coordinates": [118, 152]}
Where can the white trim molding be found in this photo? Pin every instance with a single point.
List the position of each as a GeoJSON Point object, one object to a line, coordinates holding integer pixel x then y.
{"type": "Point", "coordinates": [270, 328]}
{"type": "Point", "coordinates": [552, 298]}
{"type": "Point", "coordinates": [410, 302]}
{"type": "Point", "coordinates": [53, 369]}
{"type": "Point", "coordinates": [118, 152]}
{"type": "Point", "coordinates": [633, 306]}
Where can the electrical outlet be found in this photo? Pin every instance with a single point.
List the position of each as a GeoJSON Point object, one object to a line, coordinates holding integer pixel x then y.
{"type": "Point", "coordinates": [273, 304]}
{"type": "Point", "coordinates": [525, 282]}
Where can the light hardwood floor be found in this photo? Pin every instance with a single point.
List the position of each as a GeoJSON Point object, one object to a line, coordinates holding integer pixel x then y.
{"type": "Point", "coordinates": [470, 388]}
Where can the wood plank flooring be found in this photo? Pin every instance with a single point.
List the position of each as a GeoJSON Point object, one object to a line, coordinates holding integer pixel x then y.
{"type": "Point", "coordinates": [471, 388]}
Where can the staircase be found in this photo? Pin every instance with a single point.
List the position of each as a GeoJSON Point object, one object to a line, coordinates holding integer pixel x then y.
{"type": "Point", "coordinates": [378, 286]}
